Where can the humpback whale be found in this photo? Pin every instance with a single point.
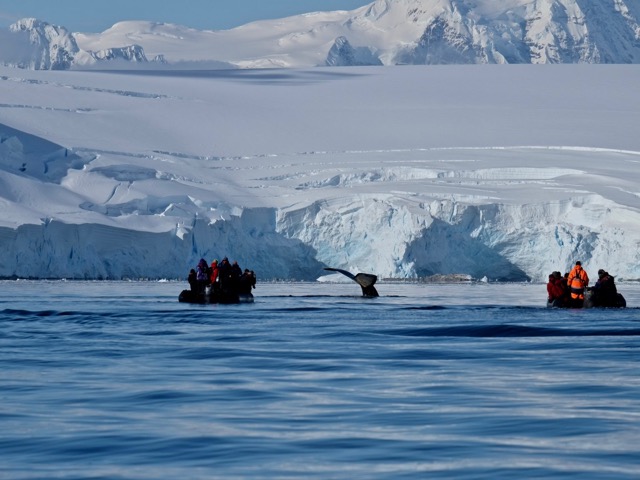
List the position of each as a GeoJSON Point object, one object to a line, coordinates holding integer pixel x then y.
{"type": "Point", "coordinates": [365, 280]}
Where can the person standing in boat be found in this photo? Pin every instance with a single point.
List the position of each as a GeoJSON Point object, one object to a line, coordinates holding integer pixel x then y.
{"type": "Point", "coordinates": [577, 281]}
{"type": "Point", "coordinates": [193, 280]}
{"type": "Point", "coordinates": [604, 291]}
{"type": "Point", "coordinates": [247, 281]}
{"type": "Point", "coordinates": [556, 290]}
{"type": "Point", "coordinates": [235, 274]}
{"type": "Point", "coordinates": [213, 277]}
{"type": "Point", "coordinates": [202, 274]}
{"type": "Point", "coordinates": [224, 275]}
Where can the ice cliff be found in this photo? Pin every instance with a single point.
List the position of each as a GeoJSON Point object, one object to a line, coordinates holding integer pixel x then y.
{"type": "Point", "coordinates": [507, 174]}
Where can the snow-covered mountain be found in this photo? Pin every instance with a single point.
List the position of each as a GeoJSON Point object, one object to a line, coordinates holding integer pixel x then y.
{"type": "Point", "coordinates": [53, 47]}
{"type": "Point", "coordinates": [38, 45]}
{"type": "Point", "coordinates": [504, 172]}
{"type": "Point", "coordinates": [387, 32]}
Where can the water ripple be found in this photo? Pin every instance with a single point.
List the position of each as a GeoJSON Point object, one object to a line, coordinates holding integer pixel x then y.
{"type": "Point", "coordinates": [313, 386]}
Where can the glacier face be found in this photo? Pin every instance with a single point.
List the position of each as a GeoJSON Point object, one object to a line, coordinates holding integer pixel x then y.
{"type": "Point", "coordinates": [515, 236]}
{"type": "Point", "coordinates": [504, 173]}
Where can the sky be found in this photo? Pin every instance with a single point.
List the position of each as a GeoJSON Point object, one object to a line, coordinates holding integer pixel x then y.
{"type": "Point", "coordinates": [92, 16]}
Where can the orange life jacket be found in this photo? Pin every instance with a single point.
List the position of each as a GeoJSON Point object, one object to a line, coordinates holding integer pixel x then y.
{"type": "Point", "coordinates": [578, 281]}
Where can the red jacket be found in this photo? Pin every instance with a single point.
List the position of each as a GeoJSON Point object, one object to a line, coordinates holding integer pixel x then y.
{"type": "Point", "coordinates": [555, 288]}
{"type": "Point", "coordinates": [214, 272]}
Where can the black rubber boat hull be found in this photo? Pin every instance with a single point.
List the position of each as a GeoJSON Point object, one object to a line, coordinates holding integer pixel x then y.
{"type": "Point", "coordinates": [188, 296]}
{"type": "Point", "coordinates": [588, 302]}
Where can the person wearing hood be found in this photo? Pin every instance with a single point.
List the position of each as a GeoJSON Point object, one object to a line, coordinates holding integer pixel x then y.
{"type": "Point", "coordinates": [556, 289]}
{"type": "Point", "coordinates": [193, 280]}
{"type": "Point", "coordinates": [213, 278]}
{"type": "Point", "coordinates": [224, 274]}
{"type": "Point", "coordinates": [604, 291]}
{"type": "Point", "coordinates": [202, 274]}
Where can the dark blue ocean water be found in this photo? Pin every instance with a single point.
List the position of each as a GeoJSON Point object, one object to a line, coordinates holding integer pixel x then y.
{"type": "Point", "coordinates": [117, 380]}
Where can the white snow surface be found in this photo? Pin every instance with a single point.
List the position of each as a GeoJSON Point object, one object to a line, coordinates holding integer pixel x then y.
{"type": "Point", "coordinates": [503, 172]}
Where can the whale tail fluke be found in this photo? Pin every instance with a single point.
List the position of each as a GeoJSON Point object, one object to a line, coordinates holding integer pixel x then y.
{"type": "Point", "coordinates": [365, 280]}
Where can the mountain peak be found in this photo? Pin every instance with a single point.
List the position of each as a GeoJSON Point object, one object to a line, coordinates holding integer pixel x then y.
{"type": "Point", "coordinates": [53, 47]}
{"type": "Point", "coordinates": [387, 32]}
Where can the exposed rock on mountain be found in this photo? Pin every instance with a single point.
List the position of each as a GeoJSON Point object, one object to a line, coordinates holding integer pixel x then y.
{"type": "Point", "coordinates": [50, 47]}
{"type": "Point", "coordinates": [387, 32]}
{"type": "Point", "coordinates": [53, 48]}
{"type": "Point", "coordinates": [343, 54]}
{"type": "Point", "coordinates": [131, 53]}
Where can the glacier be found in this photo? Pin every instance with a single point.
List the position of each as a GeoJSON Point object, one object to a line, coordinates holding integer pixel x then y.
{"type": "Point", "coordinates": [489, 171]}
